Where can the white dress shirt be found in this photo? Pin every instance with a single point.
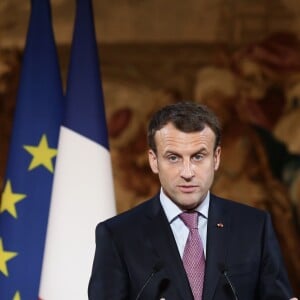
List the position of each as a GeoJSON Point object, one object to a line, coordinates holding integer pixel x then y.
{"type": "Point", "coordinates": [180, 230]}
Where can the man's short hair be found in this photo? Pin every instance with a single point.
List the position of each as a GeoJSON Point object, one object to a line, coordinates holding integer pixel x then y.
{"type": "Point", "coordinates": [186, 117]}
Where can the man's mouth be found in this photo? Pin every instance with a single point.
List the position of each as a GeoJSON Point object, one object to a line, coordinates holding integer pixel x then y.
{"type": "Point", "coordinates": [187, 188]}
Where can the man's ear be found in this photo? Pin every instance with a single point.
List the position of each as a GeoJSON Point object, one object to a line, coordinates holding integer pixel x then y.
{"type": "Point", "coordinates": [153, 161]}
{"type": "Point", "coordinates": [217, 157]}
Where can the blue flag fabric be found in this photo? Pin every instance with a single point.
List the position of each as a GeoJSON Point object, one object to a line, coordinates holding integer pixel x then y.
{"type": "Point", "coordinates": [27, 187]}
{"type": "Point", "coordinates": [84, 80]}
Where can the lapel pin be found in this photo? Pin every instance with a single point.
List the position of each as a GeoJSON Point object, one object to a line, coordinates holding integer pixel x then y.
{"type": "Point", "coordinates": [220, 225]}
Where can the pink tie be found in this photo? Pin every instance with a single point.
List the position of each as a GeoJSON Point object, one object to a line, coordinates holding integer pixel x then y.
{"type": "Point", "coordinates": [193, 255]}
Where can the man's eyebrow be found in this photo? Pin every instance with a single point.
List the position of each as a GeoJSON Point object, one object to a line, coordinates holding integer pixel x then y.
{"type": "Point", "coordinates": [201, 150]}
{"type": "Point", "coordinates": [171, 152]}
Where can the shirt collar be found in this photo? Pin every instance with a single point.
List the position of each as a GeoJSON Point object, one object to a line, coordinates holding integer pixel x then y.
{"type": "Point", "coordinates": [172, 211]}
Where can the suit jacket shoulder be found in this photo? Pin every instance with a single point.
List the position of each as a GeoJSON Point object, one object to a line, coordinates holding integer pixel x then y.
{"type": "Point", "coordinates": [133, 246]}
{"type": "Point", "coordinates": [241, 242]}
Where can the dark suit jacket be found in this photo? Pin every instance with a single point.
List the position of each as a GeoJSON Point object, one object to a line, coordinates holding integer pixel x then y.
{"type": "Point", "coordinates": [139, 243]}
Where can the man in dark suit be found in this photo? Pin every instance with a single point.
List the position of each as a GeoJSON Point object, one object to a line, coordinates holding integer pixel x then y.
{"type": "Point", "coordinates": [152, 252]}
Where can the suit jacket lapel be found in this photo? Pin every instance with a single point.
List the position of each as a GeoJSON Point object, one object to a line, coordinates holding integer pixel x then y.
{"type": "Point", "coordinates": [217, 234]}
{"type": "Point", "coordinates": [160, 234]}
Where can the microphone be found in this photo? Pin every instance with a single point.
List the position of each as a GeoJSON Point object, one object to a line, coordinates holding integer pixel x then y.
{"type": "Point", "coordinates": [156, 268]}
{"type": "Point", "coordinates": [224, 272]}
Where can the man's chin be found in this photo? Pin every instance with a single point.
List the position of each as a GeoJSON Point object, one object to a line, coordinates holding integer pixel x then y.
{"type": "Point", "coordinates": [188, 205]}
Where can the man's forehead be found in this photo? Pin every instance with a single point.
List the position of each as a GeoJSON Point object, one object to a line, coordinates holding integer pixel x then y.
{"type": "Point", "coordinates": [170, 136]}
{"type": "Point", "coordinates": [170, 130]}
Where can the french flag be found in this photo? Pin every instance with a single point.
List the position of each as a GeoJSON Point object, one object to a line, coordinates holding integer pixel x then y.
{"type": "Point", "coordinates": [82, 192]}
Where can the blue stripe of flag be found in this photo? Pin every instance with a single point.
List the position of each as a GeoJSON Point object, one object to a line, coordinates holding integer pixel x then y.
{"type": "Point", "coordinates": [85, 112]}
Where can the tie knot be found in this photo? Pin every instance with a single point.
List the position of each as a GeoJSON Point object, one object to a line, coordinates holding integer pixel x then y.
{"type": "Point", "coordinates": [190, 219]}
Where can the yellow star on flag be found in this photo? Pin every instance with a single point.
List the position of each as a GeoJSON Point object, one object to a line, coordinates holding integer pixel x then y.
{"type": "Point", "coordinates": [17, 296]}
{"type": "Point", "coordinates": [4, 257]}
{"type": "Point", "coordinates": [9, 200]}
{"type": "Point", "coordinates": [42, 154]}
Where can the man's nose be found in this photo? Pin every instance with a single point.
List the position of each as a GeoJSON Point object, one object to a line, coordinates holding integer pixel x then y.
{"type": "Point", "coordinates": [187, 171]}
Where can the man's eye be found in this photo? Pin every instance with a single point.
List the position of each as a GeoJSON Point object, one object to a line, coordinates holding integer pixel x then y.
{"type": "Point", "coordinates": [198, 157]}
{"type": "Point", "coordinates": [173, 158]}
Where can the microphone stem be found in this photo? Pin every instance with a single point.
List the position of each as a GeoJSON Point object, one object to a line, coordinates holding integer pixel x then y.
{"type": "Point", "coordinates": [231, 286]}
{"type": "Point", "coordinates": [145, 284]}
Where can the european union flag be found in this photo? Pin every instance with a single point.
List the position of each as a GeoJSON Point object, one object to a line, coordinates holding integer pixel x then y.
{"type": "Point", "coordinates": [27, 188]}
